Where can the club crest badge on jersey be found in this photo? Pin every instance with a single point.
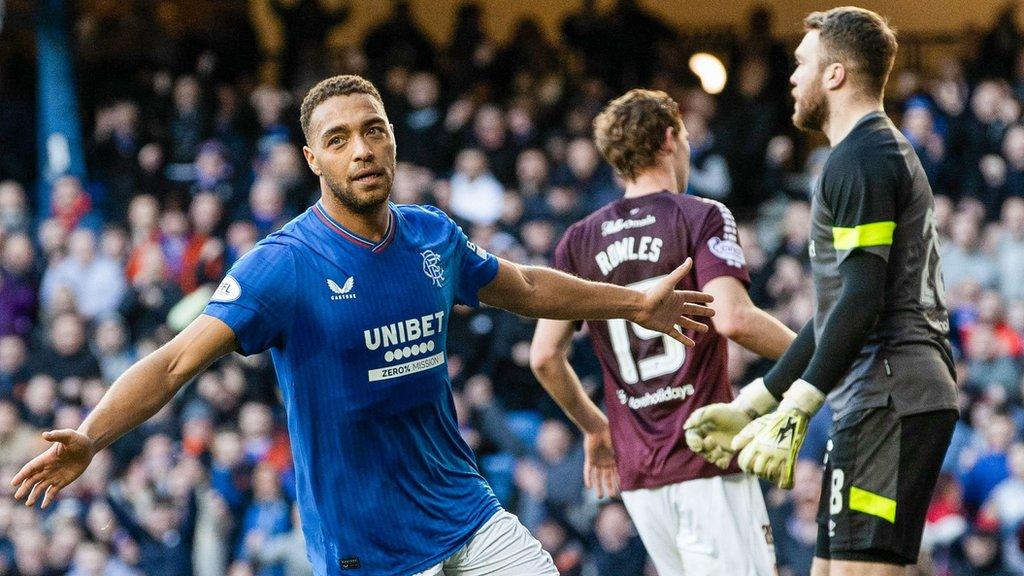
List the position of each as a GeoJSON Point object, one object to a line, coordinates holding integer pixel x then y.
{"type": "Point", "coordinates": [727, 250]}
{"type": "Point", "coordinates": [432, 267]}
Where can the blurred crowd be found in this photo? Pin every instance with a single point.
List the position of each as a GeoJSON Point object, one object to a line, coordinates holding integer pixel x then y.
{"type": "Point", "coordinates": [194, 155]}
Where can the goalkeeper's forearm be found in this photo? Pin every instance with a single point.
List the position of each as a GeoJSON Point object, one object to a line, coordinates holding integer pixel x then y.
{"type": "Point", "coordinates": [793, 363]}
{"type": "Point", "coordinates": [847, 327]}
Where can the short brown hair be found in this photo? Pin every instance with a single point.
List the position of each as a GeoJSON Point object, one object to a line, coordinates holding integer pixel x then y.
{"type": "Point", "coordinates": [859, 39]}
{"type": "Point", "coordinates": [629, 132]}
{"type": "Point", "coordinates": [334, 86]}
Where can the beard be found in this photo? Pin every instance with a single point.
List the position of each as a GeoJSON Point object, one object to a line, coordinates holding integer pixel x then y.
{"type": "Point", "coordinates": [811, 110]}
{"type": "Point", "coordinates": [366, 203]}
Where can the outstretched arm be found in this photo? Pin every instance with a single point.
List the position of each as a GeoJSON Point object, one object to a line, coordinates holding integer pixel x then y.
{"type": "Point", "coordinates": [136, 396]}
{"type": "Point", "coordinates": [540, 292]}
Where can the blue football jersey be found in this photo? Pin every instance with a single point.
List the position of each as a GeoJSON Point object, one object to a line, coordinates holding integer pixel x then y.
{"type": "Point", "coordinates": [357, 332]}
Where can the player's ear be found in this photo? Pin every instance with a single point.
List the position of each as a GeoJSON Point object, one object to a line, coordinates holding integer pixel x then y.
{"type": "Point", "coordinates": [669, 143]}
{"type": "Point", "coordinates": [311, 160]}
{"type": "Point", "coordinates": [834, 76]}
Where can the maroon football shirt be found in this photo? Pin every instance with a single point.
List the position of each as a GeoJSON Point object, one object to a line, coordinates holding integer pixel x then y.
{"type": "Point", "coordinates": [652, 382]}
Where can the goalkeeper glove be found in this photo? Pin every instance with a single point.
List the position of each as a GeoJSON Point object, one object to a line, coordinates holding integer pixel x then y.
{"type": "Point", "coordinates": [768, 446]}
{"type": "Point", "coordinates": [710, 430]}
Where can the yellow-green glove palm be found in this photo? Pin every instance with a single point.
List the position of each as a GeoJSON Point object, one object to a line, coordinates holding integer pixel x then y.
{"type": "Point", "coordinates": [711, 429]}
{"type": "Point", "coordinates": [769, 445]}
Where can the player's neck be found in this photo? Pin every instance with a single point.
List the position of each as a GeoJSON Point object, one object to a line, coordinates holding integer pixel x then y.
{"type": "Point", "coordinates": [844, 116]}
{"type": "Point", "coordinates": [370, 226]}
{"type": "Point", "coordinates": [652, 181]}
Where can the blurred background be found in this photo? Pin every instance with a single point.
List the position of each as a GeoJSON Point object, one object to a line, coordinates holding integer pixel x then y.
{"type": "Point", "coordinates": [146, 144]}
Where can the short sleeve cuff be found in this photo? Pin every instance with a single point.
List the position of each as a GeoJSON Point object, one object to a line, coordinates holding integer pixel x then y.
{"type": "Point", "coordinates": [240, 319]}
{"type": "Point", "coordinates": [476, 278]}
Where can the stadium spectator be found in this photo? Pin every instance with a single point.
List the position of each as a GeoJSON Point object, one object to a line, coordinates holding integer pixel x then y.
{"type": "Point", "coordinates": [18, 286]}
{"type": "Point", "coordinates": [1010, 248]}
{"type": "Point", "coordinates": [164, 534]}
{"type": "Point", "coordinates": [267, 516]}
{"type": "Point", "coordinates": [151, 295]}
{"type": "Point", "coordinates": [990, 462]}
{"type": "Point", "coordinates": [476, 195]}
{"type": "Point", "coordinates": [112, 347]}
{"type": "Point", "coordinates": [203, 259]}
{"type": "Point", "coordinates": [14, 211]}
{"type": "Point", "coordinates": [95, 281]}
{"type": "Point", "coordinates": [963, 260]}
{"type": "Point", "coordinates": [306, 24]}
{"type": "Point", "coordinates": [267, 209]}
{"type": "Point", "coordinates": [285, 551]}
{"type": "Point", "coordinates": [18, 439]}
{"type": "Point", "coordinates": [188, 120]}
{"type": "Point", "coordinates": [617, 549]}
{"type": "Point", "coordinates": [71, 206]}
{"type": "Point", "coordinates": [585, 173]}
{"type": "Point", "coordinates": [67, 354]}
{"type": "Point", "coordinates": [421, 123]}
{"type": "Point", "coordinates": [213, 173]}
{"type": "Point", "coordinates": [94, 560]}
{"type": "Point", "coordinates": [13, 364]}
{"type": "Point", "coordinates": [709, 171]}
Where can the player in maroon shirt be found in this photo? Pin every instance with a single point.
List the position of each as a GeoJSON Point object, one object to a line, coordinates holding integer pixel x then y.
{"type": "Point", "coordinates": [694, 517]}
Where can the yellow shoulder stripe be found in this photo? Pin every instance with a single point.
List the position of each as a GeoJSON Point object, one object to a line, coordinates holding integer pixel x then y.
{"type": "Point", "coordinates": [873, 234]}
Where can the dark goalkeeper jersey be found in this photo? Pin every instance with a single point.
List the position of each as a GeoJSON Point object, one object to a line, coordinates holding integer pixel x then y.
{"type": "Point", "coordinates": [874, 196]}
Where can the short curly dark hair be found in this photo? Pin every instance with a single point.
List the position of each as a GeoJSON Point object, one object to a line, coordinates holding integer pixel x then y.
{"type": "Point", "coordinates": [629, 132]}
{"type": "Point", "coordinates": [342, 85]}
{"type": "Point", "coordinates": [859, 39]}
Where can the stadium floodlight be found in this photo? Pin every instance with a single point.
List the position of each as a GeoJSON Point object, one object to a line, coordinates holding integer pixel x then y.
{"type": "Point", "coordinates": [710, 70]}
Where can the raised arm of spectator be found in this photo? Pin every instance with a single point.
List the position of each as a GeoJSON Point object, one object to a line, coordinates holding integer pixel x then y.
{"type": "Point", "coordinates": [126, 517]}
{"type": "Point", "coordinates": [136, 396]}
{"type": "Point", "coordinates": [191, 517]}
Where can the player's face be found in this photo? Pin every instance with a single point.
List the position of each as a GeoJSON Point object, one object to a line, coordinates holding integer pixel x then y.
{"type": "Point", "coordinates": [352, 149]}
{"type": "Point", "coordinates": [811, 109]}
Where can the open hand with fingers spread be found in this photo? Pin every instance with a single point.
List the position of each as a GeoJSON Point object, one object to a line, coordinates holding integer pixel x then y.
{"type": "Point", "coordinates": [670, 311]}
{"type": "Point", "coordinates": [63, 462]}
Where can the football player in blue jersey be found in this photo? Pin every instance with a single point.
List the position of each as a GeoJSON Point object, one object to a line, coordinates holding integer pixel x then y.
{"type": "Point", "coordinates": [352, 299]}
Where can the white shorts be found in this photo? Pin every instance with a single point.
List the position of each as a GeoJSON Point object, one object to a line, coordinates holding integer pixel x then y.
{"type": "Point", "coordinates": [501, 547]}
{"type": "Point", "coordinates": [707, 527]}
